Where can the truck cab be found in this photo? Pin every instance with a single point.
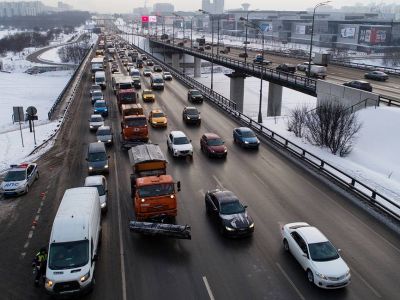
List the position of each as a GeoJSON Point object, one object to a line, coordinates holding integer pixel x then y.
{"type": "Point", "coordinates": [134, 127]}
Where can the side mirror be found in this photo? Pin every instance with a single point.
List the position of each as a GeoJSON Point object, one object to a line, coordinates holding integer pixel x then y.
{"type": "Point", "coordinates": [245, 206]}
{"type": "Point", "coordinates": [109, 156]}
{"type": "Point", "coordinates": [305, 255]}
{"type": "Point", "coordinates": [190, 140]}
{"type": "Point", "coordinates": [339, 250]}
{"type": "Point", "coordinates": [178, 185]}
{"type": "Point", "coordinates": [86, 159]}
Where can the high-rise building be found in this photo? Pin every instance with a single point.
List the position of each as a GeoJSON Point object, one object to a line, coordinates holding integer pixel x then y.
{"type": "Point", "coordinates": [161, 8]}
{"type": "Point", "coordinates": [32, 8]}
{"type": "Point", "coordinates": [213, 6]}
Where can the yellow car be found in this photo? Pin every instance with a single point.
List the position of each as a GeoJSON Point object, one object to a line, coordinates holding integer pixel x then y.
{"type": "Point", "coordinates": [148, 96]}
{"type": "Point", "coordinates": [157, 118]}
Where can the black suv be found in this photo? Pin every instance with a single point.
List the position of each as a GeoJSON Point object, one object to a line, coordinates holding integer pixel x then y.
{"type": "Point", "coordinates": [359, 84]}
{"type": "Point", "coordinates": [191, 115]}
{"type": "Point", "coordinates": [157, 68]}
{"type": "Point", "coordinates": [195, 96]}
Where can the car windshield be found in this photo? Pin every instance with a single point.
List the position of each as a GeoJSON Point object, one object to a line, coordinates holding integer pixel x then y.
{"type": "Point", "coordinates": [97, 156]}
{"type": "Point", "coordinates": [158, 115]}
{"type": "Point", "coordinates": [192, 111]}
{"type": "Point", "coordinates": [195, 93]}
{"type": "Point", "coordinates": [135, 73]}
{"type": "Point", "coordinates": [156, 190]}
{"type": "Point", "coordinates": [15, 175]}
{"type": "Point", "coordinates": [181, 140]}
{"type": "Point", "coordinates": [99, 79]}
{"type": "Point", "coordinates": [96, 87]}
{"type": "Point", "coordinates": [147, 92]}
{"type": "Point", "coordinates": [323, 251]}
{"type": "Point", "coordinates": [158, 80]}
{"type": "Point", "coordinates": [100, 189]}
{"type": "Point", "coordinates": [68, 255]}
{"type": "Point", "coordinates": [98, 95]}
{"type": "Point", "coordinates": [103, 132]}
{"type": "Point", "coordinates": [147, 70]}
{"type": "Point", "coordinates": [136, 122]}
{"type": "Point", "coordinates": [167, 73]}
{"type": "Point", "coordinates": [100, 104]}
{"type": "Point", "coordinates": [248, 134]}
{"type": "Point", "coordinates": [96, 119]}
{"type": "Point", "coordinates": [215, 142]}
{"type": "Point", "coordinates": [128, 97]}
{"type": "Point", "coordinates": [231, 207]}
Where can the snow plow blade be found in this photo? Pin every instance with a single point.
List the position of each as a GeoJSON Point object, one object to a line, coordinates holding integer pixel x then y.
{"type": "Point", "coordinates": [161, 229]}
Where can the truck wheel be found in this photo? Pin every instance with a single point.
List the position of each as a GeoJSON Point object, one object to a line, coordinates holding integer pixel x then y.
{"type": "Point", "coordinates": [310, 276]}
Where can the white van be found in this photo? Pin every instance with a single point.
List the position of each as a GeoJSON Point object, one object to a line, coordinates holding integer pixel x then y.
{"type": "Point", "coordinates": [74, 241]}
{"type": "Point", "coordinates": [134, 72]}
{"type": "Point", "coordinates": [317, 71]}
{"type": "Point", "coordinates": [100, 79]}
{"type": "Point", "coordinates": [156, 81]}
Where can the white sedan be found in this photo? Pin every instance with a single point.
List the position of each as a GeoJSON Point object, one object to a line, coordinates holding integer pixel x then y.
{"type": "Point", "coordinates": [317, 256]}
{"type": "Point", "coordinates": [179, 145]}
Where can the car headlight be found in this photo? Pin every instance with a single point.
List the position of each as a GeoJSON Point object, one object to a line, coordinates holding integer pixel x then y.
{"type": "Point", "coordinates": [320, 275]}
{"type": "Point", "coordinates": [199, 117]}
{"type": "Point", "coordinates": [103, 205]}
{"type": "Point", "coordinates": [175, 151]}
{"type": "Point", "coordinates": [251, 225]}
{"type": "Point", "coordinates": [90, 168]}
{"type": "Point", "coordinates": [348, 272]}
{"type": "Point", "coordinates": [85, 277]}
{"type": "Point", "coordinates": [187, 117]}
{"type": "Point", "coordinates": [226, 150]}
{"type": "Point", "coordinates": [106, 166]}
{"type": "Point", "coordinates": [109, 141]}
{"type": "Point", "coordinates": [229, 228]}
{"type": "Point", "coordinates": [91, 126]}
{"type": "Point", "coordinates": [246, 142]}
{"type": "Point", "coordinates": [99, 141]}
{"type": "Point", "coordinates": [49, 283]}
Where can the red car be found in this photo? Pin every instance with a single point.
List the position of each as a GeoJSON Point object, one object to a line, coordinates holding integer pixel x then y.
{"type": "Point", "coordinates": [213, 145]}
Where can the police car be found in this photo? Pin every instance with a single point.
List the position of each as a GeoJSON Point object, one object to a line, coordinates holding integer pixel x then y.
{"type": "Point", "coordinates": [19, 179]}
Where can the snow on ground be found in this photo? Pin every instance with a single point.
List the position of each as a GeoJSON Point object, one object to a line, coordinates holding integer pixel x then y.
{"type": "Point", "coordinates": [375, 158]}
{"type": "Point", "coordinates": [51, 55]}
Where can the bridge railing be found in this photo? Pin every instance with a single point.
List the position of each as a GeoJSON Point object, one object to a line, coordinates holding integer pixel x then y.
{"type": "Point", "coordinates": [341, 178]}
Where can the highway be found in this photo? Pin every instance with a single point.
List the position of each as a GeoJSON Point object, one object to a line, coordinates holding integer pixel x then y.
{"type": "Point", "coordinates": [209, 266]}
{"type": "Point", "coordinates": [336, 74]}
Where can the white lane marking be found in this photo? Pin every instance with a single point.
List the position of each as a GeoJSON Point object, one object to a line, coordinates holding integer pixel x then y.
{"type": "Point", "coordinates": [218, 181]}
{"type": "Point", "coordinates": [23, 254]}
{"type": "Point", "coordinates": [259, 179]}
{"type": "Point", "coordinates": [41, 204]}
{"type": "Point", "coordinates": [121, 243]}
{"type": "Point", "coordinates": [210, 294]}
{"type": "Point", "coordinates": [366, 283]}
{"type": "Point", "coordinates": [30, 234]}
{"type": "Point", "coordinates": [39, 210]}
{"type": "Point", "coordinates": [290, 281]}
{"type": "Point", "coordinates": [37, 218]}
{"type": "Point", "coordinates": [26, 245]}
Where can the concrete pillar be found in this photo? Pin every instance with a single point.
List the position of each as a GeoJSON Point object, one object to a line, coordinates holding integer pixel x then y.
{"type": "Point", "coordinates": [274, 100]}
{"type": "Point", "coordinates": [237, 89]}
{"type": "Point", "coordinates": [197, 67]}
{"type": "Point", "coordinates": [175, 60]}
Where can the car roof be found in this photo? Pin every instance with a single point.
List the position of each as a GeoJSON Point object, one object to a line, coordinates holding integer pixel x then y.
{"type": "Point", "coordinates": [104, 127]}
{"type": "Point", "coordinates": [100, 101]}
{"type": "Point", "coordinates": [156, 110]}
{"type": "Point", "coordinates": [193, 90]}
{"type": "Point", "coordinates": [96, 147]}
{"type": "Point", "coordinates": [95, 116]}
{"type": "Point", "coordinates": [225, 196]}
{"type": "Point", "coordinates": [94, 180]}
{"type": "Point", "coordinates": [211, 136]}
{"type": "Point", "coordinates": [191, 107]}
{"type": "Point", "coordinates": [244, 129]}
{"type": "Point", "coordinates": [311, 234]}
{"type": "Point", "coordinates": [178, 133]}
{"type": "Point", "coordinates": [361, 81]}
{"type": "Point", "coordinates": [147, 90]}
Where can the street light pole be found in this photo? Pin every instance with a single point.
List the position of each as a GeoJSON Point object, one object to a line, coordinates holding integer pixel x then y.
{"type": "Point", "coordinates": [173, 31]}
{"type": "Point", "coordinates": [245, 42]}
{"type": "Point", "coordinates": [312, 36]}
{"type": "Point", "coordinates": [218, 19]}
{"type": "Point", "coordinates": [212, 52]}
{"type": "Point", "coordinates": [261, 81]}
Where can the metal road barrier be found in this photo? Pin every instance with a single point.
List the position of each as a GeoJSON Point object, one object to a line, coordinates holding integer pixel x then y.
{"type": "Point", "coordinates": [341, 178]}
{"type": "Point", "coordinates": [294, 81]}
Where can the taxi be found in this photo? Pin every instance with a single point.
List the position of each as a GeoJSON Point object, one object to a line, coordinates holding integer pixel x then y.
{"type": "Point", "coordinates": [148, 96]}
{"type": "Point", "coordinates": [157, 118]}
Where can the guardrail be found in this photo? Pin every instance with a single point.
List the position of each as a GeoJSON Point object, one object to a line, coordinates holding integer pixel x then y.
{"type": "Point", "coordinates": [338, 176]}
{"type": "Point", "coordinates": [297, 82]}
{"type": "Point", "coordinates": [389, 101]}
{"type": "Point", "coordinates": [61, 95]}
{"type": "Point", "coordinates": [78, 72]}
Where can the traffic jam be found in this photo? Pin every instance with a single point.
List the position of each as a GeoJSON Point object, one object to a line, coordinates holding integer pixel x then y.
{"type": "Point", "coordinates": [73, 250]}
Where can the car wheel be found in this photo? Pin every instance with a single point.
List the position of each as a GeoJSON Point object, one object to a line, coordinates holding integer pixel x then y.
{"type": "Point", "coordinates": [310, 276]}
{"type": "Point", "coordinates": [234, 140]}
{"type": "Point", "coordinates": [27, 189]}
{"type": "Point", "coordinates": [37, 175]}
{"type": "Point", "coordinates": [285, 245]}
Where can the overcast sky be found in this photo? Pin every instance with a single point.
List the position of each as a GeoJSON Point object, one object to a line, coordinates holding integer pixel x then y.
{"type": "Point", "coordinates": [128, 5]}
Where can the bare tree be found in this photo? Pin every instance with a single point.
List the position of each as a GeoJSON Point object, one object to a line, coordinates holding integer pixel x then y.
{"type": "Point", "coordinates": [332, 125]}
{"type": "Point", "coordinates": [297, 120]}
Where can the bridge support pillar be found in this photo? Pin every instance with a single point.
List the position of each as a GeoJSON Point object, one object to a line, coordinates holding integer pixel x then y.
{"type": "Point", "coordinates": [175, 60]}
{"type": "Point", "coordinates": [237, 89]}
{"type": "Point", "coordinates": [274, 100]}
{"type": "Point", "coordinates": [197, 67]}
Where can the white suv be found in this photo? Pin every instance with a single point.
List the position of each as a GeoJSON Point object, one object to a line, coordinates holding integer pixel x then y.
{"type": "Point", "coordinates": [179, 144]}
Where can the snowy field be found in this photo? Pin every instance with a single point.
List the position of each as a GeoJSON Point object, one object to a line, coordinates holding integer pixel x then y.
{"type": "Point", "coordinates": [51, 55]}
{"type": "Point", "coordinates": [374, 159]}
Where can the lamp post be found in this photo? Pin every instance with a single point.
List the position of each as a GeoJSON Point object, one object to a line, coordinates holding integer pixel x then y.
{"type": "Point", "coordinates": [261, 31]}
{"type": "Point", "coordinates": [312, 35]}
{"type": "Point", "coordinates": [246, 42]}
{"type": "Point", "coordinates": [212, 46]}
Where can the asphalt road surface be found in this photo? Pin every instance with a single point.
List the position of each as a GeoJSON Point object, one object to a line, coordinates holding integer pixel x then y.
{"type": "Point", "coordinates": [336, 74]}
{"type": "Point", "coordinates": [209, 266]}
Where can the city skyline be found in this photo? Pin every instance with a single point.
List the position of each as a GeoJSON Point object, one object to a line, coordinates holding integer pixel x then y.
{"type": "Point", "coordinates": [126, 6]}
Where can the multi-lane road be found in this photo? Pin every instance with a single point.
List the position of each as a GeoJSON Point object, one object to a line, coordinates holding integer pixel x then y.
{"type": "Point", "coordinates": [209, 266]}
{"type": "Point", "coordinates": [336, 74]}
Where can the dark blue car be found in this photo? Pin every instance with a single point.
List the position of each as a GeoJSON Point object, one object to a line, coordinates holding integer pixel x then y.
{"type": "Point", "coordinates": [245, 137]}
{"type": "Point", "coordinates": [100, 108]}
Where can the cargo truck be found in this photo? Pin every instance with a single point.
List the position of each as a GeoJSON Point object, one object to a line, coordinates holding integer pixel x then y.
{"type": "Point", "coordinates": [154, 194]}
{"type": "Point", "coordinates": [126, 96]}
{"type": "Point", "coordinates": [134, 129]}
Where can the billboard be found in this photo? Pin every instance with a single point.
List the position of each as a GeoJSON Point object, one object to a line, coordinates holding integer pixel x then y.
{"type": "Point", "coordinates": [348, 32]}
{"type": "Point", "coordinates": [265, 27]}
{"type": "Point", "coordinates": [152, 19]}
{"type": "Point", "coordinates": [374, 35]}
{"type": "Point", "coordinates": [145, 19]}
{"type": "Point", "coordinates": [303, 29]}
